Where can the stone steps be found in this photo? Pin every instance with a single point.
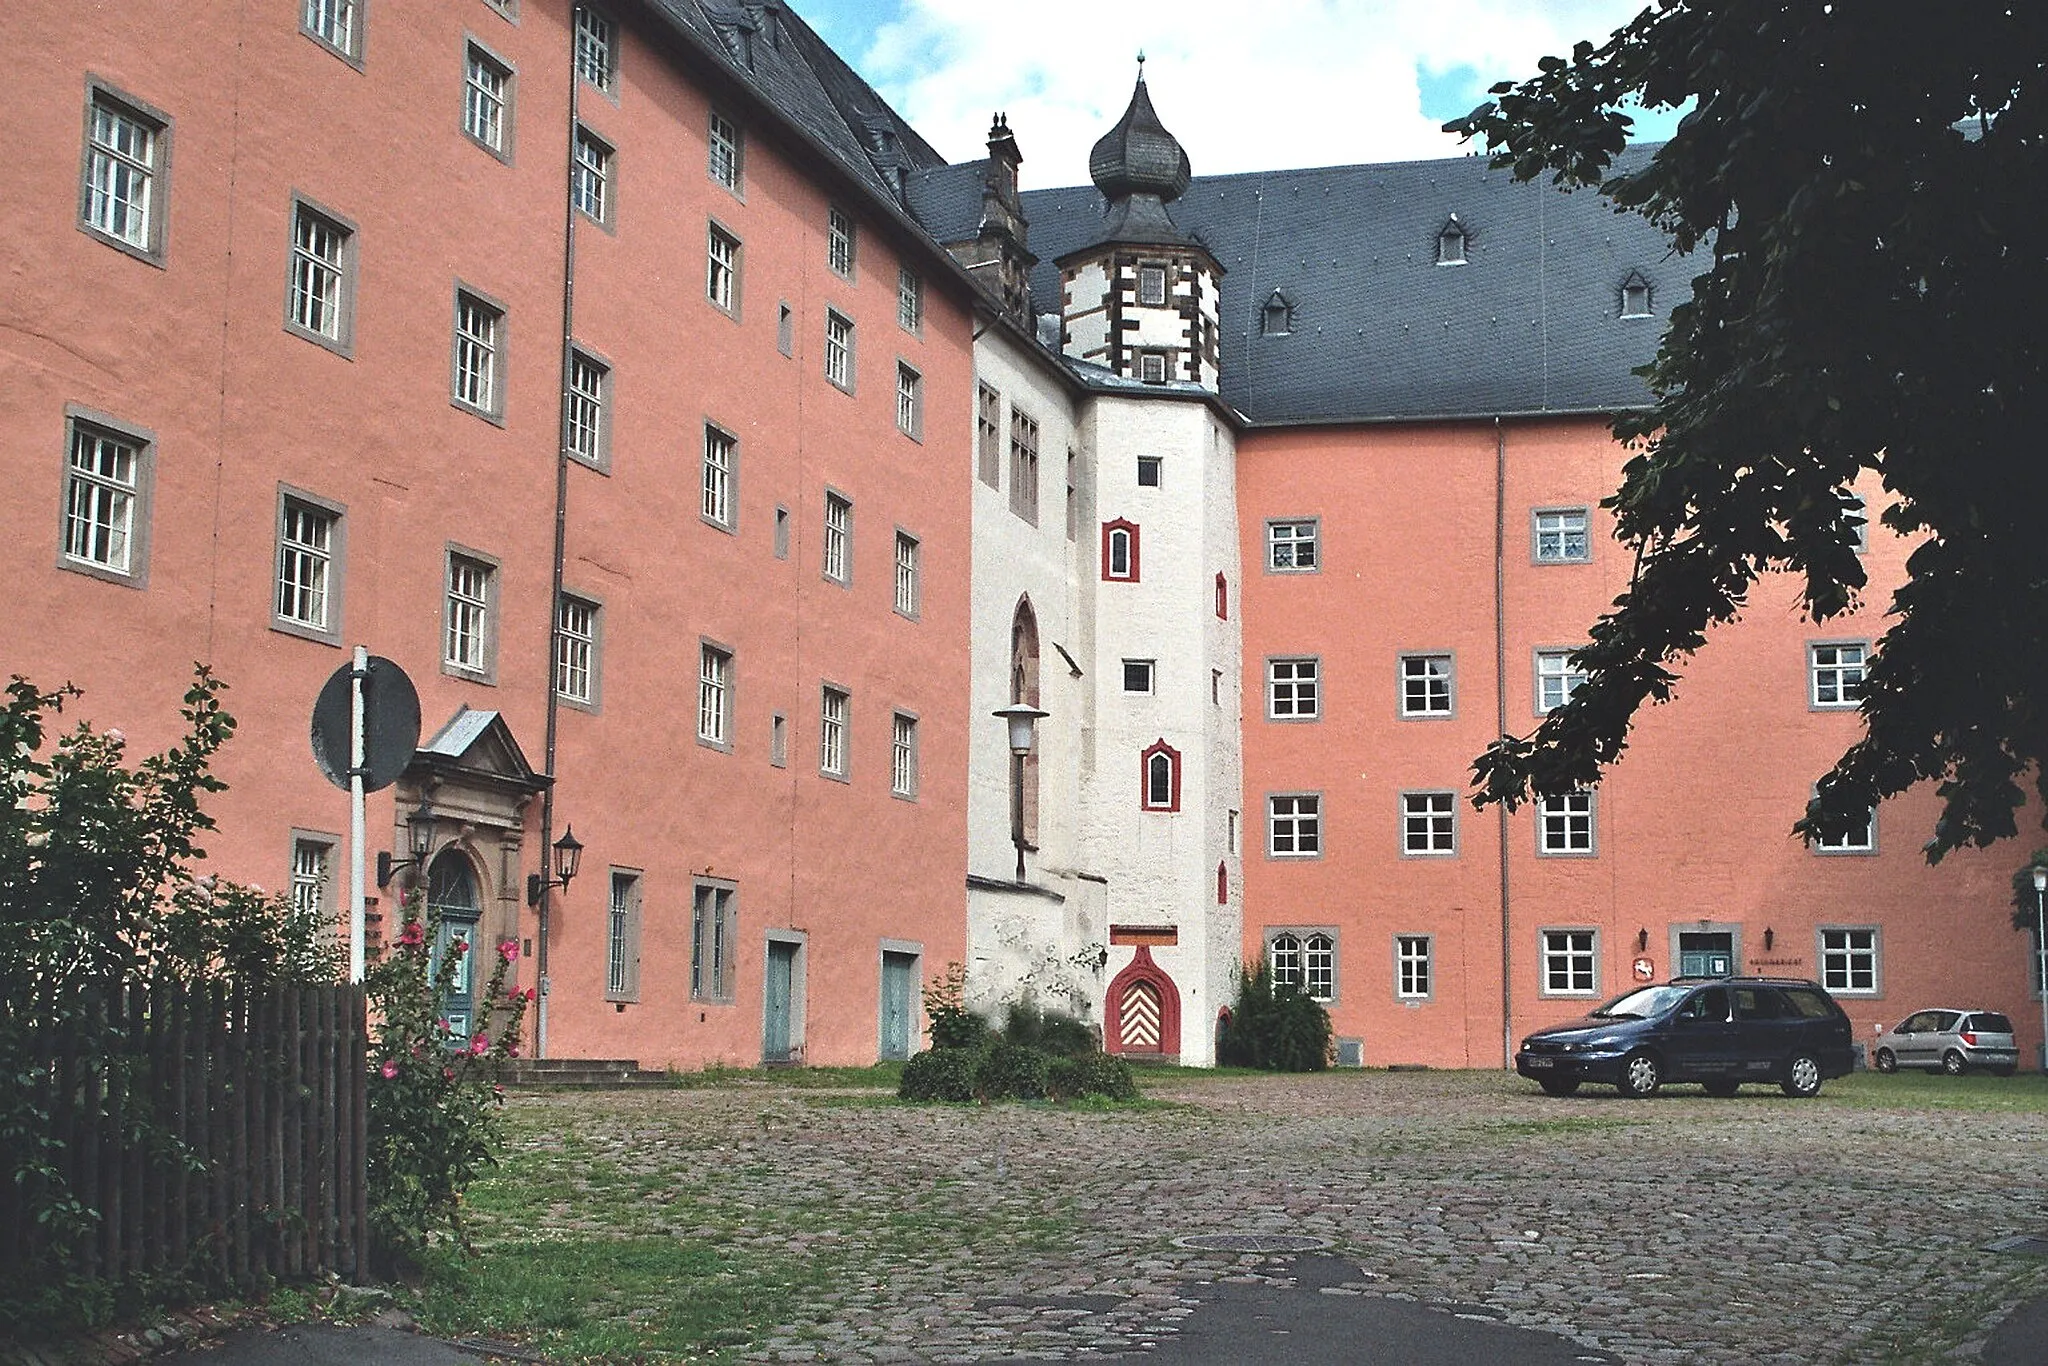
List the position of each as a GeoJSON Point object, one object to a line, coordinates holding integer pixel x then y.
{"type": "Point", "coordinates": [579, 1074]}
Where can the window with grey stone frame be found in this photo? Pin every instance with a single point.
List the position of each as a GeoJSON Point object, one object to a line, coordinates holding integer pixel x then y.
{"type": "Point", "coordinates": [781, 534]}
{"type": "Point", "coordinates": [1304, 957]}
{"type": "Point", "coordinates": [835, 708]}
{"type": "Point", "coordinates": [507, 8]}
{"type": "Point", "coordinates": [1555, 679]}
{"type": "Point", "coordinates": [839, 358]}
{"type": "Point", "coordinates": [909, 594]}
{"type": "Point", "coordinates": [622, 936]}
{"type": "Point", "coordinates": [109, 484]}
{"type": "Point", "coordinates": [723, 254]}
{"type": "Point", "coordinates": [728, 153]}
{"type": "Point", "coordinates": [841, 241]}
{"type": "Point", "coordinates": [469, 615]}
{"type": "Point", "coordinates": [579, 651]}
{"type": "Point", "coordinates": [716, 685]}
{"type": "Point", "coordinates": [1294, 688]}
{"type": "Point", "coordinates": [478, 354]}
{"type": "Point", "coordinates": [903, 756]}
{"type": "Point", "coordinates": [490, 87]}
{"type": "Point", "coordinates": [124, 177]}
{"type": "Point", "coordinates": [1414, 967]}
{"type": "Point", "coordinates": [320, 277]}
{"type": "Point", "coordinates": [1024, 465]}
{"type": "Point", "coordinates": [587, 422]}
{"type": "Point", "coordinates": [309, 567]}
{"type": "Point", "coordinates": [1428, 686]}
{"type": "Point", "coordinates": [1560, 536]}
{"type": "Point", "coordinates": [778, 740]}
{"type": "Point", "coordinates": [720, 504]}
{"type": "Point", "coordinates": [1567, 825]}
{"type": "Point", "coordinates": [597, 50]}
{"type": "Point", "coordinates": [1429, 824]}
{"type": "Point", "coordinates": [1850, 958]}
{"type": "Point", "coordinates": [1835, 671]}
{"type": "Point", "coordinates": [909, 301]}
{"type": "Point", "coordinates": [836, 549]}
{"type": "Point", "coordinates": [1856, 843]}
{"type": "Point", "coordinates": [1568, 961]}
{"type": "Point", "coordinates": [594, 179]}
{"type": "Point", "coordinates": [1294, 545]}
{"type": "Point", "coordinates": [909, 401]}
{"type": "Point", "coordinates": [1294, 825]}
{"type": "Point", "coordinates": [714, 939]}
{"type": "Point", "coordinates": [338, 26]}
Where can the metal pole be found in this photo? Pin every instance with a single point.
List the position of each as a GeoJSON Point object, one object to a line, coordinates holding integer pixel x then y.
{"type": "Point", "coordinates": [357, 821]}
{"type": "Point", "coordinates": [1017, 810]}
{"type": "Point", "coordinates": [2041, 962]}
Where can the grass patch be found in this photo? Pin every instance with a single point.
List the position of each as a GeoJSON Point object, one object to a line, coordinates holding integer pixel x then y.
{"type": "Point", "coordinates": [2023, 1094]}
{"type": "Point", "coordinates": [1577, 1124]}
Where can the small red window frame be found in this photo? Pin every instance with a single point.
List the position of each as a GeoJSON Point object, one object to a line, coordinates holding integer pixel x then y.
{"type": "Point", "coordinates": [1109, 530]}
{"type": "Point", "coordinates": [1154, 750]}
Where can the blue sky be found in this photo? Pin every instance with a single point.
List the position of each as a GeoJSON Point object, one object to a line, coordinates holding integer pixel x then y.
{"type": "Point", "coordinates": [1282, 83]}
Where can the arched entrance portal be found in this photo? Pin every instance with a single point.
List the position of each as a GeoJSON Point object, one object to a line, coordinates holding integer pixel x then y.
{"type": "Point", "coordinates": [1142, 1016]}
{"type": "Point", "coordinates": [452, 894]}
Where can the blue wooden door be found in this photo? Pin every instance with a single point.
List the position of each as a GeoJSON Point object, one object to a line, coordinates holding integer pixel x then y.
{"type": "Point", "coordinates": [899, 985]}
{"type": "Point", "coordinates": [452, 895]}
{"type": "Point", "coordinates": [776, 986]}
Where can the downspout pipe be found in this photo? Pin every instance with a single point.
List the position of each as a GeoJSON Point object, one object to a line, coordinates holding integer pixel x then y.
{"type": "Point", "coordinates": [1500, 703]}
{"type": "Point", "coordinates": [545, 905]}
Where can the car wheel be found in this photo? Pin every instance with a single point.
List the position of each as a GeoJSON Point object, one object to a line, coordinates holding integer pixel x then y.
{"type": "Point", "coordinates": [1887, 1061]}
{"type": "Point", "coordinates": [1952, 1063]}
{"type": "Point", "coordinates": [1802, 1076]}
{"type": "Point", "coordinates": [1723, 1087]}
{"type": "Point", "coordinates": [1641, 1075]}
{"type": "Point", "coordinates": [1559, 1086]}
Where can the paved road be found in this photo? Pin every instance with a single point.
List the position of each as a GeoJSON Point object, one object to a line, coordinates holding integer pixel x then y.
{"type": "Point", "coordinates": [1472, 1221]}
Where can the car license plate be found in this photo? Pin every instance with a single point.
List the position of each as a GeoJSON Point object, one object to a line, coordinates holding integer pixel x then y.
{"type": "Point", "coordinates": [1541, 1062]}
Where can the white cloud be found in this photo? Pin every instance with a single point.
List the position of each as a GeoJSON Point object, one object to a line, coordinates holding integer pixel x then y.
{"type": "Point", "coordinates": [1244, 87]}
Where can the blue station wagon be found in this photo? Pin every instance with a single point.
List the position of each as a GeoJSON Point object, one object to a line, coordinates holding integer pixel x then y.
{"type": "Point", "coordinates": [1719, 1032]}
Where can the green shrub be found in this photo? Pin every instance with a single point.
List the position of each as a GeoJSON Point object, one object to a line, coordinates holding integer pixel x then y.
{"type": "Point", "coordinates": [1013, 1072]}
{"type": "Point", "coordinates": [940, 1074]}
{"type": "Point", "coordinates": [1277, 1029]}
{"type": "Point", "coordinates": [953, 1024]}
{"type": "Point", "coordinates": [1050, 1031]}
{"type": "Point", "coordinates": [1093, 1074]}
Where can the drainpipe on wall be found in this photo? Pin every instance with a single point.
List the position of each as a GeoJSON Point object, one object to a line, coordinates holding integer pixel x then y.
{"type": "Point", "coordinates": [547, 799]}
{"type": "Point", "coordinates": [1500, 703]}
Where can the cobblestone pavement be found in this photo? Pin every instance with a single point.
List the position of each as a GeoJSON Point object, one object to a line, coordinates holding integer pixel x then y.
{"type": "Point", "coordinates": [1679, 1229]}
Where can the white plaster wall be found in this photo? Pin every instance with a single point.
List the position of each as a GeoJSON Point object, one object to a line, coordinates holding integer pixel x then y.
{"type": "Point", "coordinates": [1087, 332]}
{"type": "Point", "coordinates": [1226, 722]}
{"type": "Point", "coordinates": [1210, 307]}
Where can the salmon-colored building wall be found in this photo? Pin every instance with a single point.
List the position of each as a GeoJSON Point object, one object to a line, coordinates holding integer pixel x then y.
{"type": "Point", "coordinates": [1692, 826]}
{"type": "Point", "coordinates": [192, 351]}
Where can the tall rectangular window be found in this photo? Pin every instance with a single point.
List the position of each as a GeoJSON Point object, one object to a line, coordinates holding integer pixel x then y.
{"type": "Point", "coordinates": [722, 269]}
{"type": "Point", "coordinates": [832, 709]}
{"type": "Point", "coordinates": [907, 587]}
{"type": "Point", "coordinates": [838, 548]}
{"type": "Point", "coordinates": [576, 650]}
{"type": "Point", "coordinates": [839, 349]}
{"type": "Point", "coordinates": [466, 617]}
{"type": "Point", "coordinates": [307, 542]}
{"type": "Point", "coordinates": [903, 755]}
{"type": "Point", "coordinates": [1560, 536]}
{"type": "Point", "coordinates": [1291, 545]}
{"type": "Point", "coordinates": [1556, 680]}
{"type": "Point", "coordinates": [479, 340]}
{"type": "Point", "coordinates": [721, 474]}
{"type": "Point", "coordinates": [104, 496]}
{"type": "Point", "coordinates": [1152, 285]}
{"type": "Point", "coordinates": [121, 198]}
{"type": "Point", "coordinates": [1292, 689]}
{"type": "Point", "coordinates": [487, 101]}
{"type": "Point", "coordinates": [726, 163]}
{"type": "Point", "coordinates": [1848, 959]}
{"type": "Point", "coordinates": [909, 401]}
{"type": "Point", "coordinates": [321, 287]}
{"type": "Point", "coordinates": [1429, 823]}
{"type": "Point", "coordinates": [1836, 673]}
{"type": "Point", "coordinates": [1564, 824]}
{"type": "Point", "coordinates": [1294, 825]}
{"type": "Point", "coordinates": [597, 49]}
{"type": "Point", "coordinates": [1425, 685]}
{"type": "Point", "coordinates": [622, 940]}
{"type": "Point", "coordinates": [839, 240]}
{"type": "Point", "coordinates": [714, 939]}
{"type": "Point", "coordinates": [1570, 963]}
{"type": "Point", "coordinates": [586, 426]}
{"type": "Point", "coordinates": [778, 740]}
{"type": "Point", "coordinates": [1411, 967]}
{"type": "Point", "coordinates": [909, 300]}
{"type": "Point", "coordinates": [714, 696]}
{"type": "Point", "coordinates": [590, 177]}
{"type": "Point", "coordinates": [337, 23]}
{"type": "Point", "coordinates": [312, 879]}
{"type": "Point", "coordinates": [988, 435]}
{"type": "Point", "coordinates": [1023, 466]}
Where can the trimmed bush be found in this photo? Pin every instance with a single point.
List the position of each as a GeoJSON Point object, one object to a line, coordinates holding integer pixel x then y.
{"type": "Point", "coordinates": [1277, 1029]}
{"type": "Point", "coordinates": [1093, 1074]}
{"type": "Point", "coordinates": [1049, 1031]}
{"type": "Point", "coordinates": [940, 1074]}
{"type": "Point", "coordinates": [1013, 1072]}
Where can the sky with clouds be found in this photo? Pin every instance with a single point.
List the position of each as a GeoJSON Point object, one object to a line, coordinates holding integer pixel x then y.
{"type": "Point", "coordinates": [1264, 85]}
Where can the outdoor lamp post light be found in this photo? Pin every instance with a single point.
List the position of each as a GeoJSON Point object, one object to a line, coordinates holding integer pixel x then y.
{"type": "Point", "coordinates": [1022, 719]}
{"type": "Point", "coordinates": [568, 858]}
{"type": "Point", "coordinates": [419, 840]}
{"type": "Point", "coordinates": [2041, 953]}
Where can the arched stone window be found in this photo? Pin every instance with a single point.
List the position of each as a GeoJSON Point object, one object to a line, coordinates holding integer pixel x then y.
{"type": "Point", "coordinates": [1161, 777]}
{"type": "Point", "coordinates": [1024, 689]}
{"type": "Point", "coordinates": [1120, 551]}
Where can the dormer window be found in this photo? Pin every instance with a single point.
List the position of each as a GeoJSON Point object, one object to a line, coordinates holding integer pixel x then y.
{"type": "Point", "coordinates": [1152, 285]}
{"type": "Point", "coordinates": [1152, 367]}
{"type": "Point", "coordinates": [1277, 320]}
{"type": "Point", "coordinates": [1635, 296]}
{"type": "Point", "coordinates": [1450, 243]}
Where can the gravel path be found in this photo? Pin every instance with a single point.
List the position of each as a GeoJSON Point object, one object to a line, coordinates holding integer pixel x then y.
{"type": "Point", "coordinates": [1679, 1229]}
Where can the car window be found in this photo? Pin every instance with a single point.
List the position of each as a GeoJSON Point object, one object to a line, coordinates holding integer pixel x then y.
{"type": "Point", "coordinates": [1640, 1003]}
{"type": "Point", "coordinates": [1710, 1004]}
{"type": "Point", "coordinates": [1759, 1003]}
{"type": "Point", "coordinates": [1942, 1021]}
{"type": "Point", "coordinates": [1810, 1003]}
{"type": "Point", "coordinates": [1992, 1024]}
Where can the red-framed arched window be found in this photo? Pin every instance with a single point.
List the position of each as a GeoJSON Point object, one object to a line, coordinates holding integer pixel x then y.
{"type": "Point", "coordinates": [1120, 551]}
{"type": "Point", "coordinates": [1159, 770]}
{"type": "Point", "coordinates": [1222, 598]}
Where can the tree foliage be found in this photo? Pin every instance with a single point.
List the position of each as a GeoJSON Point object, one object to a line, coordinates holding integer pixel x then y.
{"type": "Point", "coordinates": [1858, 182]}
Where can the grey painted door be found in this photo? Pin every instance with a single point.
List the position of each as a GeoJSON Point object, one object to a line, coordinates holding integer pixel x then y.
{"type": "Point", "coordinates": [776, 1007]}
{"type": "Point", "coordinates": [899, 986]}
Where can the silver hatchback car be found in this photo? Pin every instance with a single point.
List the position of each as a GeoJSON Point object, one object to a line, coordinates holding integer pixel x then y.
{"type": "Point", "coordinates": [1953, 1041]}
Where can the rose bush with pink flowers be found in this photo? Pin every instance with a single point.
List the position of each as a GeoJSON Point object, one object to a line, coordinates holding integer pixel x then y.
{"type": "Point", "coordinates": [434, 1094]}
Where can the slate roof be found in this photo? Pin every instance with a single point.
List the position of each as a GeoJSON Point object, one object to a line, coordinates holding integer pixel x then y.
{"type": "Point", "coordinates": [1530, 324]}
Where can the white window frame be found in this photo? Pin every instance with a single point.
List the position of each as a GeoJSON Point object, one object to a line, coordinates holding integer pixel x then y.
{"type": "Point", "coordinates": [1835, 682]}
{"type": "Point", "coordinates": [124, 172]}
{"type": "Point", "coordinates": [836, 559]}
{"type": "Point", "coordinates": [1283, 959]}
{"type": "Point", "coordinates": [489, 89]}
{"type": "Point", "coordinates": [1294, 820]}
{"type": "Point", "coordinates": [622, 936]}
{"type": "Point", "coordinates": [307, 566]}
{"type": "Point", "coordinates": [1306, 957]}
{"type": "Point", "coordinates": [1294, 685]}
{"type": "Point", "coordinates": [320, 277]}
{"type": "Point", "coordinates": [476, 363]}
{"type": "Point", "coordinates": [909, 301]}
{"type": "Point", "coordinates": [903, 756]}
{"type": "Point", "coordinates": [1556, 680]}
{"type": "Point", "coordinates": [720, 504]}
{"type": "Point", "coordinates": [842, 240]}
{"type": "Point", "coordinates": [1568, 962]}
{"type": "Point", "coordinates": [909, 583]}
{"type": "Point", "coordinates": [839, 353]}
{"type": "Point", "coordinates": [587, 422]}
{"type": "Point", "coordinates": [103, 514]}
{"type": "Point", "coordinates": [727, 163]}
{"type": "Point", "coordinates": [715, 688]}
{"type": "Point", "coordinates": [1414, 967]}
{"type": "Point", "coordinates": [1428, 686]}
{"type": "Point", "coordinates": [579, 639]}
{"type": "Point", "coordinates": [469, 615]}
{"type": "Point", "coordinates": [1156, 467]}
{"type": "Point", "coordinates": [593, 178]}
{"type": "Point", "coordinates": [1561, 535]}
{"type": "Point", "coordinates": [909, 401]}
{"type": "Point", "coordinates": [1150, 667]}
{"type": "Point", "coordinates": [723, 253]}
{"type": "Point", "coordinates": [1856, 842]}
{"type": "Point", "coordinates": [1840, 949]}
{"type": "Point", "coordinates": [1568, 825]}
{"type": "Point", "coordinates": [835, 707]}
{"type": "Point", "coordinates": [336, 25]}
{"type": "Point", "coordinates": [1286, 540]}
{"type": "Point", "coordinates": [313, 882]}
{"type": "Point", "coordinates": [1429, 824]}
{"type": "Point", "coordinates": [597, 49]}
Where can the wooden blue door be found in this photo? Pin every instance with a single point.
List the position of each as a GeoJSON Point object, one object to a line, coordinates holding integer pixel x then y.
{"type": "Point", "coordinates": [776, 986]}
{"type": "Point", "coordinates": [899, 986]}
{"type": "Point", "coordinates": [452, 895]}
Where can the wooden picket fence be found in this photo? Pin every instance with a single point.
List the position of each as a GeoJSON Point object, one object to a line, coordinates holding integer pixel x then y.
{"type": "Point", "coordinates": [217, 1134]}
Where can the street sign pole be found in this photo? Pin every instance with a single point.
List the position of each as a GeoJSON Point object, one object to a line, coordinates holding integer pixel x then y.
{"type": "Point", "coordinates": [357, 817]}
